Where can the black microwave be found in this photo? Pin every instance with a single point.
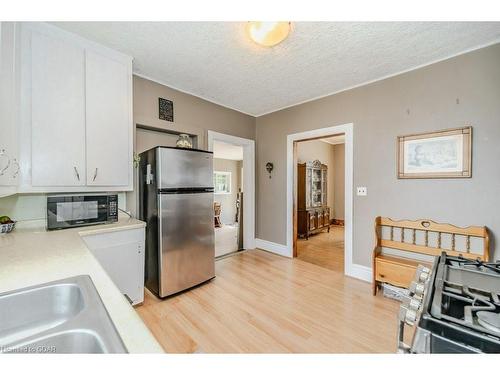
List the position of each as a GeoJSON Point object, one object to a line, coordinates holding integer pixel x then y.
{"type": "Point", "coordinates": [76, 210]}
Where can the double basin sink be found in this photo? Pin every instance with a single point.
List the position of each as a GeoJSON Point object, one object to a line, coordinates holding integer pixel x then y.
{"type": "Point", "coordinates": [64, 316]}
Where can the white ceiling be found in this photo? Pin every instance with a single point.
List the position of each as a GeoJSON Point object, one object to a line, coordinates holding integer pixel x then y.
{"type": "Point", "coordinates": [224, 150]}
{"type": "Point", "coordinates": [217, 61]}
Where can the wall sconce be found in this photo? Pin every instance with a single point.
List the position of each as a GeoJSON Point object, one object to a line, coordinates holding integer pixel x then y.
{"type": "Point", "coordinates": [269, 167]}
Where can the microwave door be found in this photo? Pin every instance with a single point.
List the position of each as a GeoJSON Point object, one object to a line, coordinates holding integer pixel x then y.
{"type": "Point", "coordinates": [72, 211]}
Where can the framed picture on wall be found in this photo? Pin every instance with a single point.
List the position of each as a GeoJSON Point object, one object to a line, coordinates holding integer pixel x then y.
{"type": "Point", "coordinates": [440, 154]}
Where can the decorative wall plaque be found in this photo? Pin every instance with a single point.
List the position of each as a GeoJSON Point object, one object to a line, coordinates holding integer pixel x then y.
{"type": "Point", "coordinates": [166, 109]}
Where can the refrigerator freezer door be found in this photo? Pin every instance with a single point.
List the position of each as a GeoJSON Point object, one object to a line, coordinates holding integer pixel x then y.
{"type": "Point", "coordinates": [186, 235]}
{"type": "Point", "coordinates": [177, 168]}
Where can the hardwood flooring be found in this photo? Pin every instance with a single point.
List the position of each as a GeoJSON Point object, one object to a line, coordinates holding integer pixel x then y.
{"type": "Point", "coordinates": [324, 249]}
{"type": "Point", "coordinates": [263, 303]}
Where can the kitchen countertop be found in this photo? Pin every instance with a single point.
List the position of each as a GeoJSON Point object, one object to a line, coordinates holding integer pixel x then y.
{"type": "Point", "coordinates": [30, 255]}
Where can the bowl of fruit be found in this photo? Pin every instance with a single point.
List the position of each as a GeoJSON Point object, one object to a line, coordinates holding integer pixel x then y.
{"type": "Point", "coordinates": [6, 224]}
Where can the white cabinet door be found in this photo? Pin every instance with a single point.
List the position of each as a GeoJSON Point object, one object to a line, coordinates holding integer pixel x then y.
{"type": "Point", "coordinates": [108, 121]}
{"type": "Point", "coordinates": [9, 166]}
{"type": "Point", "coordinates": [121, 254]}
{"type": "Point", "coordinates": [57, 112]}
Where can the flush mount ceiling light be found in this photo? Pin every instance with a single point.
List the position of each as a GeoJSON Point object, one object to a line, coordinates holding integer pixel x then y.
{"type": "Point", "coordinates": [268, 34]}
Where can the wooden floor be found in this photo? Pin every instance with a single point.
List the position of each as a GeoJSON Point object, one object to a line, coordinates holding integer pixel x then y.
{"type": "Point", "coordinates": [324, 249]}
{"type": "Point", "coordinates": [263, 303]}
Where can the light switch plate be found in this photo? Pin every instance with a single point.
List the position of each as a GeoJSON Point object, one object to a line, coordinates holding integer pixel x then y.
{"type": "Point", "coordinates": [361, 191]}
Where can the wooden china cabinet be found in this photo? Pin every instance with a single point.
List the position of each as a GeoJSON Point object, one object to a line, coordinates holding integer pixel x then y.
{"type": "Point", "coordinates": [313, 214]}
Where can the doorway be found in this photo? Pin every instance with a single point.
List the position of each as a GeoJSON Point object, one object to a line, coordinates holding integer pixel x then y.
{"type": "Point", "coordinates": [228, 197]}
{"type": "Point", "coordinates": [292, 170]}
{"type": "Point", "coordinates": [320, 201]}
{"type": "Point", "coordinates": [242, 176]}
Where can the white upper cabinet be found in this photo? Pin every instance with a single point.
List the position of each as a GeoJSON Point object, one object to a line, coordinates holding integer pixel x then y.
{"type": "Point", "coordinates": [9, 166]}
{"type": "Point", "coordinates": [76, 130]}
{"type": "Point", "coordinates": [57, 112]}
{"type": "Point", "coordinates": [108, 130]}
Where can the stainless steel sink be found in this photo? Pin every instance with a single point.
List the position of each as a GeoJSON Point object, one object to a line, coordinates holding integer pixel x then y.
{"type": "Point", "coordinates": [64, 316]}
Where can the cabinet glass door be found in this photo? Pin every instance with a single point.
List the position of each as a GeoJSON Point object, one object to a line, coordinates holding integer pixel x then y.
{"type": "Point", "coordinates": [316, 187]}
{"type": "Point", "coordinates": [324, 187]}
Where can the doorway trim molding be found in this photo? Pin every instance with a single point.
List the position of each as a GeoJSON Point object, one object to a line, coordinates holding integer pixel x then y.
{"type": "Point", "coordinates": [248, 181]}
{"type": "Point", "coordinates": [350, 269]}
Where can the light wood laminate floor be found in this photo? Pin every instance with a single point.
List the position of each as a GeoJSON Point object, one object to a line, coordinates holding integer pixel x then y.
{"type": "Point", "coordinates": [263, 303]}
{"type": "Point", "coordinates": [324, 249]}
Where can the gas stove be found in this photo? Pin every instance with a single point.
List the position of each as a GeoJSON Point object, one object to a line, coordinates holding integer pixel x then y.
{"type": "Point", "coordinates": [455, 308]}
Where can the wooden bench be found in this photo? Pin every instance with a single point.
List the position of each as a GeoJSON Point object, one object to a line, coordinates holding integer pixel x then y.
{"type": "Point", "coordinates": [402, 236]}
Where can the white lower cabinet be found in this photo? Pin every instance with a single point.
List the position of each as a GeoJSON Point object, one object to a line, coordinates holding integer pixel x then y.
{"type": "Point", "coordinates": [121, 254]}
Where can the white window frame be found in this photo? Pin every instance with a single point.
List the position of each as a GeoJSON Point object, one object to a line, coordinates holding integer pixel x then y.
{"type": "Point", "coordinates": [227, 173]}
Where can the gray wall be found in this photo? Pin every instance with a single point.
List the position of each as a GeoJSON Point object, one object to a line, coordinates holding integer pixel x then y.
{"type": "Point", "coordinates": [339, 181]}
{"type": "Point", "coordinates": [228, 201]}
{"type": "Point", "coordinates": [192, 115]}
{"type": "Point", "coordinates": [322, 151]}
{"type": "Point", "coordinates": [417, 101]}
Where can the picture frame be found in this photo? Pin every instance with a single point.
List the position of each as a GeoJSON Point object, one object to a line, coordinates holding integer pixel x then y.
{"type": "Point", "coordinates": [440, 154]}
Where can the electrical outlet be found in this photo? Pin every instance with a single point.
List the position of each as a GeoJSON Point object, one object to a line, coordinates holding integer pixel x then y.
{"type": "Point", "coordinates": [361, 191]}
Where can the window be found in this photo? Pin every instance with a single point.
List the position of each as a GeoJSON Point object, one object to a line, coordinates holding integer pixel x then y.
{"type": "Point", "coordinates": [222, 182]}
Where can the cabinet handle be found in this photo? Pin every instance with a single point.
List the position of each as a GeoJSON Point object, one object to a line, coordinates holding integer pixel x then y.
{"type": "Point", "coordinates": [14, 175]}
{"type": "Point", "coordinates": [77, 174]}
{"type": "Point", "coordinates": [95, 175]}
{"type": "Point", "coordinates": [7, 165]}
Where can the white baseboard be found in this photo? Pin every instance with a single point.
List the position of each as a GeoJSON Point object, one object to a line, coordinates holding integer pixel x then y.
{"type": "Point", "coordinates": [272, 247]}
{"type": "Point", "coordinates": [360, 272]}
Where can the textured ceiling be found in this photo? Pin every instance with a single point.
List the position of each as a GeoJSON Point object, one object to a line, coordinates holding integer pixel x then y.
{"type": "Point", "coordinates": [216, 60]}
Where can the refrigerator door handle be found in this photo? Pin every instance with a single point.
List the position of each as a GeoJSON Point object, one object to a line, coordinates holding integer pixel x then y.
{"type": "Point", "coordinates": [149, 175]}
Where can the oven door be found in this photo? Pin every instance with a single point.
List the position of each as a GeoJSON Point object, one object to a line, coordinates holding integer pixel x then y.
{"type": "Point", "coordinates": [76, 210]}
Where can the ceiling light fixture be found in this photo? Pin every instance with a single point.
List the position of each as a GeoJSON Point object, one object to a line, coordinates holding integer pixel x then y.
{"type": "Point", "coordinates": [268, 34]}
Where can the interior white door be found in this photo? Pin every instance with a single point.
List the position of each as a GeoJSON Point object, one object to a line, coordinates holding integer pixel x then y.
{"type": "Point", "coordinates": [58, 112]}
{"type": "Point", "coordinates": [109, 161]}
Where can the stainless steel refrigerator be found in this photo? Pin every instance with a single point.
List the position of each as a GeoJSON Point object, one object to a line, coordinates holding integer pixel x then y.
{"type": "Point", "coordinates": [176, 202]}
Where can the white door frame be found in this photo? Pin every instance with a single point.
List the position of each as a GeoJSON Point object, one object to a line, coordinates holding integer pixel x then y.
{"type": "Point", "coordinates": [347, 129]}
{"type": "Point", "coordinates": [248, 181]}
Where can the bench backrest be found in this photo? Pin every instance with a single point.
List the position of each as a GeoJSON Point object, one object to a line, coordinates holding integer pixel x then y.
{"type": "Point", "coordinates": [402, 235]}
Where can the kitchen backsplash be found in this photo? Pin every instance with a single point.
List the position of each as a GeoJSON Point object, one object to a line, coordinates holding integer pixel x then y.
{"type": "Point", "coordinates": [23, 207]}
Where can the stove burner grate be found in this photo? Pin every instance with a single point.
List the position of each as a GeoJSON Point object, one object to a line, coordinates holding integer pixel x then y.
{"type": "Point", "coordinates": [493, 266]}
{"type": "Point", "coordinates": [475, 303]}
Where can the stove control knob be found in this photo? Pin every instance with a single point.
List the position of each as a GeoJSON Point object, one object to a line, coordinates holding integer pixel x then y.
{"type": "Point", "coordinates": [423, 269]}
{"type": "Point", "coordinates": [423, 277]}
{"type": "Point", "coordinates": [417, 288]}
{"type": "Point", "coordinates": [414, 304]}
{"type": "Point", "coordinates": [407, 315]}
{"type": "Point", "coordinates": [422, 274]}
